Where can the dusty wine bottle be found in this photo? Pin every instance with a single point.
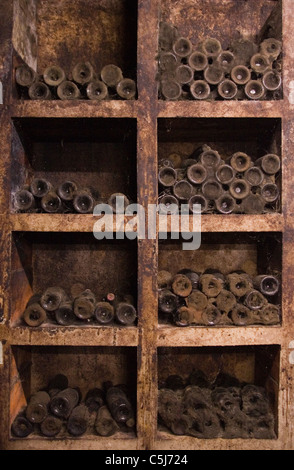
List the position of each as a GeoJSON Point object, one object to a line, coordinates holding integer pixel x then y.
{"type": "Point", "coordinates": [199, 200]}
{"type": "Point", "coordinates": [51, 203]}
{"type": "Point", "coordinates": [212, 189]}
{"type": "Point", "coordinates": [51, 426]}
{"type": "Point", "coordinates": [240, 74]}
{"type": "Point", "coordinates": [239, 189]}
{"type": "Point", "coordinates": [64, 402]}
{"type": "Point", "coordinates": [78, 421]}
{"type": "Point", "coordinates": [254, 90]}
{"type": "Point", "coordinates": [272, 80]}
{"type": "Point", "coordinates": [25, 76]}
{"type": "Point", "coordinates": [104, 313]}
{"type": "Point", "coordinates": [97, 90]}
{"type": "Point", "coordinates": [227, 89]}
{"type": "Point", "coordinates": [164, 279]}
{"type": "Point", "coordinates": [68, 91]}
{"type": "Point", "coordinates": [54, 75]}
{"type": "Point", "coordinates": [168, 204]}
{"type": "Point", "coordinates": [66, 190]}
{"type": "Point", "coordinates": [252, 204]}
{"type": "Point", "coordinates": [200, 90]}
{"type": "Point", "coordinates": [210, 159]}
{"type": "Point", "coordinates": [184, 316]}
{"type": "Point", "coordinates": [255, 300]}
{"type": "Point", "coordinates": [270, 192]}
{"type": "Point", "coordinates": [105, 424]}
{"type": "Point", "coordinates": [241, 315]}
{"type": "Point", "coordinates": [213, 74]}
{"type": "Point", "coordinates": [240, 162]}
{"type": "Point", "coordinates": [182, 47]}
{"type": "Point", "coordinates": [167, 61]}
{"type": "Point", "coordinates": [115, 203]}
{"type": "Point", "coordinates": [183, 190]}
{"type": "Point", "coordinates": [167, 301]}
{"type": "Point", "coordinates": [197, 300]}
{"type": "Point", "coordinates": [84, 201]}
{"type": "Point", "coordinates": [225, 174]}
{"type": "Point", "coordinates": [225, 204]}
{"type": "Point", "coordinates": [52, 298]}
{"type": "Point", "coordinates": [24, 200]}
{"type": "Point", "coordinates": [119, 406]}
{"type": "Point", "coordinates": [197, 173]}
{"type": "Point", "coordinates": [254, 176]}
{"type": "Point", "coordinates": [184, 74]}
{"type": "Point", "coordinates": [211, 47]}
{"type": "Point", "coordinates": [95, 398]}
{"type": "Point", "coordinates": [192, 275]}
{"type": "Point", "coordinates": [170, 89]}
{"type": "Point", "coordinates": [198, 61]}
{"type": "Point", "coordinates": [126, 89]}
{"type": "Point", "coordinates": [84, 305]}
{"type": "Point", "coordinates": [125, 313]}
{"type": "Point", "coordinates": [37, 408]}
{"type": "Point", "coordinates": [111, 75]}
{"type": "Point", "coordinates": [34, 315]}
{"type": "Point", "coordinates": [64, 315]}
{"type": "Point", "coordinates": [167, 176]}
{"type": "Point", "coordinates": [270, 314]}
{"type": "Point", "coordinates": [271, 48]}
{"type": "Point", "coordinates": [243, 49]}
{"type": "Point", "coordinates": [259, 63]}
{"type": "Point", "coordinates": [21, 427]}
{"type": "Point", "coordinates": [40, 187]}
{"type": "Point", "coordinates": [211, 284]}
{"type": "Point", "coordinates": [225, 301]}
{"type": "Point", "coordinates": [269, 163]}
{"type": "Point", "coordinates": [181, 285]}
{"type": "Point", "coordinates": [226, 60]}
{"type": "Point", "coordinates": [211, 316]}
{"type": "Point", "coordinates": [39, 91]}
{"type": "Point", "coordinates": [175, 159]}
{"type": "Point", "coordinates": [239, 284]}
{"type": "Point", "coordinates": [83, 73]}
{"type": "Point", "coordinates": [266, 284]}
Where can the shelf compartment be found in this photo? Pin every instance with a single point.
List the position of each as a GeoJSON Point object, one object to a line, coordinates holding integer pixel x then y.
{"type": "Point", "coordinates": [42, 260]}
{"type": "Point", "coordinates": [85, 367]}
{"type": "Point", "coordinates": [253, 253]}
{"type": "Point", "coordinates": [221, 366]}
{"type": "Point", "coordinates": [41, 37]}
{"type": "Point", "coordinates": [94, 153]}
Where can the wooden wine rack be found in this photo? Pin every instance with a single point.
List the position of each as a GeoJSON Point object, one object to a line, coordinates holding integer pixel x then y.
{"type": "Point", "coordinates": [26, 349]}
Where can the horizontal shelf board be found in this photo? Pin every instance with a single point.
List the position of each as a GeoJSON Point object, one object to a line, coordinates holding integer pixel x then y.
{"type": "Point", "coordinates": [167, 441]}
{"type": "Point", "coordinates": [221, 109]}
{"type": "Point", "coordinates": [171, 336]}
{"type": "Point", "coordinates": [70, 336]}
{"type": "Point", "coordinates": [75, 109]}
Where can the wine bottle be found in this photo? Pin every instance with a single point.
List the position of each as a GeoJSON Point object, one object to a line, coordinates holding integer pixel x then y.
{"type": "Point", "coordinates": [168, 204]}
{"type": "Point", "coordinates": [240, 74]}
{"type": "Point", "coordinates": [239, 189]}
{"type": "Point", "coordinates": [225, 174]}
{"type": "Point", "coordinates": [182, 47]}
{"type": "Point", "coordinates": [184, 316]}
{"type": "Point", "coordinates": [255, 300]}
{"type": "Point", "coordinates": [170, 89]}
{"type": "Point", "coordinates": [252, 204]}
{"type": "Point", "coordinates": [64, 402]}
{"type": "Point", "coordinates": [167, 35]}
{"type": "Point", "coordinates": [270, 314]}
{"type": "Point", "coordinates": [212, 189]}
{"type": "Point", "coordinates": [254, 176]}
{"type": "Point", "coordinates": [200, 200]}
{"type": "Point", "coordinates": [241, 315]}
{"type": "Point", "coordinates": [175, 159]}
{"type": "Point", "coordinates": [51, 426]}
{"type": "Point", "coordinates": [78, 421]}
{"type": "Point", "coordinates": [167, 301]}
{"type": "Point", "coordinates": [254, 90]}
{"type": "Point", "coordinates": [198, 61]}
{"type": "Point", "coordinates": [25, 76]}
{"type": "Point", "coordinates": [40, 187]}
{"type": "Point", "coordinates": [84, 305]}
{"type": "Point", "coordinates": [241, 162]}
{"type": "Point", "coordinates": [21, 427]}
{"type": "Point", "coordinates": [225, 301]}
{"type": "Point", "coordinates": [269, 163]}
{"type": "Point", "coordinates": [54, 75]}
{"type": "Point", "coordinates": [24, 200]}
{"type": "Point", "coordinates": [83, 73]}
{"type": "Point", "coordinates": [37, 409]}
{"type": "Point", "coordinates": [270, 192]}
{"type": "Point", "coordinates": [239, 284]}
{"type": "Point", "coordinates": [104, 313]}
{"type": "Point", "coordinates": [126, 89]}
{"type": "Point", "coordinates": [193, 276]}
{"type": "Point", "coordinates": [97, 90]}
{"type": "Point", "coordinates": [211, 316]}
{"type": "Point", "coordinates": [259, 63]}
{"type": "Point", "coordinates": [34, 314]}
{"type": "Point", "coordinates": [111, 75]}
{"type": "Point", "coordinates": [52, 298]}
{"type": "Point", "coordinates": [227, 89]}
{"type": "Point", "coordinates": [181, 285]}
{"type": "Point", "coordinates": [39, 91]}
{"type": "Point", "coordinates": [197, 300]}
{"type": "Point", "coordinates": [266, 284]}
{"type": "Point", "coordinates": [114, 203]}
{"type": "Point", "coordinates": [183, 190]}
{"type": "Point", "coordinates": [84, 201]}
{"type": "Point", "coordinates": [51, 203]}
{"type": "Point", "coordinates": [167, 61]}
{"type": "Point", "coordinates": [95, 398]}
{"type": "Point", "coordinates": [226, 204]}
{"type": "Point", "coordinates": [64, 315]}
{"type": "Point", "coordinates": [210, 159]}
{"type": "Point", "coordinates": [184, 74]}
{"type": "Point", "coordinates": [200, 90]}
{"type": "Point", "coordinates": [197, 173]}
{"type": "Point", "coordinates": [68, 91]}
{"type": "Point", "coordinates": [211, 284]}
{"type": "Point", "coordinates": [167, 176]}
{"type": "Point", "coordinates": [271, 48]}
{"type": "Point", "coordinates": [119, 406]}
{"type": "Point", "coordinates": [105, 425]}
{"type": "Point", "coordinates": [243, 49]}
{"type": "Point", "coordinates": [164, 279]}
{"type": "Point", "coordinates": [213, 74]}
{"type": "Point", "coordinates": [226, 61]}
{"type": "Point", "coordinates": [272, 80]}
{"type": "Point", "coordinates": [125, 313]}
{"type": "Point", "coordinates": [211, 47]}
{"type": "Point", "coordinates": [67, 190]}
